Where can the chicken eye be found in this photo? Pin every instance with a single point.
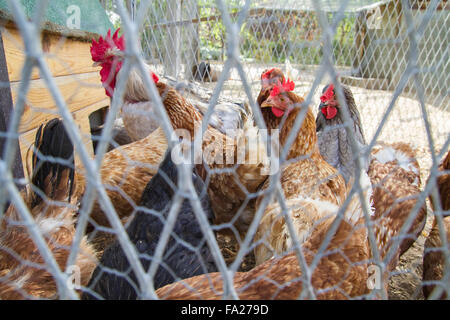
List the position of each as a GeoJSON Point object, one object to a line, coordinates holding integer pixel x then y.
{"type": "Point", "coordinates": [141, 245]}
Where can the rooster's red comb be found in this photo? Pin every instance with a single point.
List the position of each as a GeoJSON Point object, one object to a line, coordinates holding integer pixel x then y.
{"type": "Point", "coordinates": [155, 78]}
{"type": "Point", "coordinates": [266, 75]}
{"type": "Point", "coordinates": [99, 49]}
{"type": "Point", "coordinates": [283, 86]}
{"type": "Point", "coordinates": [328, 94]}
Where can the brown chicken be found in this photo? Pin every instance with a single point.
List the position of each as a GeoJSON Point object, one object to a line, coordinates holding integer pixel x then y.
{"type": "Point", "coordinates": [309, 183]}
{"type": "Point", "coordinates": [338, 275]}
{"type": "Point", "coordinates": [23, 272]}
{"type": "Point", "coordinates": [433, 259]}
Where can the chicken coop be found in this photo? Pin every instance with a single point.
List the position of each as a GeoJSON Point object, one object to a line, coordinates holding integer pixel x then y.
{"type": "Point", "coordinates": [67, 30]}
{"type": "Point", "coordinates": [267, 145]}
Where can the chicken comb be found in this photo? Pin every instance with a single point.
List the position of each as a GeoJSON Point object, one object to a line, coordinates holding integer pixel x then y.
{"type": "Point", "coordinates": [329, 94]}
{"type": "Point", "coordinates": [283, 86]}
{"type": "Point", "coordinates": [155, 78]}
{"type": "Point", "coordinates": [266, 75]}
{"type": "Point", "coordinates": [100, 48]}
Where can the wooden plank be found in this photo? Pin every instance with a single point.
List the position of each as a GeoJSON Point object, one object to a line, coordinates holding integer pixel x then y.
{"type": "Point", "coordinates": [81, 117]}
{"type": "Point", "coordinates": [64, 56]}
{"type": "Point", "coordinates": [78, 92]}
{"type": "Point", "coordinates": [26, 140]}
{"type": "Point", "coordinates": [6, 108]}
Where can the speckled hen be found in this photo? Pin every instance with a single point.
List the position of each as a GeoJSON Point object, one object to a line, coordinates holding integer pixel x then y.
{"type": "Point", "coordinates": [332, 137]}
{"type": "Point", "coordinates": [392, 168]}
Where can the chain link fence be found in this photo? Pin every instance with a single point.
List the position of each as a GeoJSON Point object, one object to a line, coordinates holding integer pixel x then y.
{"type": "Point", "coordinates": [130, 228]}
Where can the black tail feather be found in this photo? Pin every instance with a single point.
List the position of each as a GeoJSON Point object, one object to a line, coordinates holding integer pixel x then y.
{"type": "Point", "coordinates": [52, 155]}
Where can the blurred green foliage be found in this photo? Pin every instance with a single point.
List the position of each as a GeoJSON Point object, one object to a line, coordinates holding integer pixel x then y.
{"type": "Point", "coordinates": [274, 36]}
{"type": "Point", "coordinates": [268, 37]}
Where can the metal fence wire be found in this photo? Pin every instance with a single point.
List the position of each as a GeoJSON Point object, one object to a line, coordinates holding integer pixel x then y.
{"type": "Point", "coordinates": [272, 149]}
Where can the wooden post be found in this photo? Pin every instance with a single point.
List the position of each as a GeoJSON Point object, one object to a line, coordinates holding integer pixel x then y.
{"type": "Point", "coordinates": [360, 43]}
{"type": "Point", "coordinates": [191, 38]}
{"type": "Point", "coordinates": [172, 57]}
{"type": "Point", "coordinates": [6, 109]}
{"type": "Point", "coordinates": [131, 6]}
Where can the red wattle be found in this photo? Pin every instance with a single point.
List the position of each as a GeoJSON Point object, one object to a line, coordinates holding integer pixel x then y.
{"type": "Point", "coordinates": [329, 112]}
{"type": "Point", "coordinates": [108, 80]}
{"type": "Point", "coordinates": [277, 112]}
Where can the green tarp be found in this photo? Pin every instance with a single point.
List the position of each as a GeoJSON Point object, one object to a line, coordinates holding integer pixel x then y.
{"type": "Point", "coordinates": [79, 18]}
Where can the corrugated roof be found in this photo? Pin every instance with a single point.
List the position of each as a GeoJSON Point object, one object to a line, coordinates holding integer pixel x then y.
{"type": "Point", "coordinates": [326, 5]}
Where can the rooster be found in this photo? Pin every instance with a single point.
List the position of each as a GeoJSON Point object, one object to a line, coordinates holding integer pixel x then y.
{"type": "Point", "coordinates": [308, 182]}
{"type": "Point", "coordinates": [138, 114]}
{"type": "Point", "coordinates": [138, 111]}
{"type": "Point", "coordinates": [22, 269]}
{"type": "Point", "coordinates": [393, 169]}
{"type": "Point", "coordinates": [433, 259]}
{"type": "Point", "coordinates": [144, 231]}
{"type": "Point", "coordinates": [225, 188]}
{"type": "Point", "coordinates": [342, 271]}
{"type": "Point", "coordinates": [126, 170]}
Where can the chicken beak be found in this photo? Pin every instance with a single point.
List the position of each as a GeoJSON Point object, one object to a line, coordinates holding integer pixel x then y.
{"type": "Point", "coordinates": [96, 64]}
{"type": "Point", "coordinates": [266, 104]}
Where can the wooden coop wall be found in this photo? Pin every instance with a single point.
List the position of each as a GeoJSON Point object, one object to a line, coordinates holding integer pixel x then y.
{"type": "Point", "coordinates": [78, 81]}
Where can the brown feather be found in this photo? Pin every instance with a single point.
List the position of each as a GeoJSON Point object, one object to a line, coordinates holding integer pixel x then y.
{"type": "Point", "coordinates": [396, 187]}
{"type": "Point", "coordinates": [433, 259]}
{"type": "Point", "coordinates": [20, 278]}
{"type": "Point", "coordinates": [18, 274]}
{"type": "Point", "coordinates": [339, 275]}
